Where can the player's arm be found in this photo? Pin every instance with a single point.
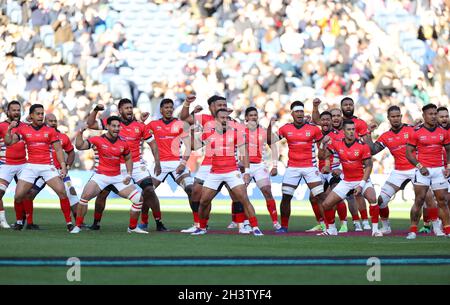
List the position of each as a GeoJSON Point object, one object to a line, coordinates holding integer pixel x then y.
{"type": "Point", "coordinates": [315, 113]}
{"type": "Point", "coordinates": [324, 152]}
{"type": "Point", "coordinates": [187, 153]}
{"type": "Point", "coordinates": [60, 157]}
{"type": "Point", "coordinates": [80, 143]}
{"type": "Point", "coordinates": [184, 114]}
{"type": "Point", "coordinates": [92, 122]}
{"type": "Point", "coordinates": [243, 152]}
{"type": "Point", "coordinates": [155, 152]}
{"type": "Point", "coordinates": [368, 165]}
{"type": "Point", "coordinates": [272, 137]}
{"type": "Point", "coordinates": [376, 147]}
{"type": "Point", "coordinates": [70, 158]}
{"type": "Point", "coordinates": [447, 149]}
{"type": "Point", "coordinates": [275, 157]}
{"type": "Point", "coordinates": [411, 156]}
{"type": "Point", "coordinates": [129, 167]}
{"type": "Point", "coordinates": [11, 138]}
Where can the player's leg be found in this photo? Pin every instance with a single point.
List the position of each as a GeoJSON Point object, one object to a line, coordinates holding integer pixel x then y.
{"type": "Point", "coordinates": [334, 197]}
{"type": "Point", "coordinates": [186, 182]}
{"type": "Point", "coordinates": [240, 193]}
{"type": "Point", "coordinates": [239, 217]}
{"type": "Point", "coordinates": [99, 208]}
{"type": "Point", "coordinates": [72, 194]}
{"type": "Point", "coordinates": [420, 192]}
{"type": "Point", "coordinates": [388, 190]}
{"type": "Point", "coordinates": [441, 198]}
{"type": "Point", "coordinates": [374, 210]}
{"type": "Point", "coordinates": [341, 207]}
{"type": "Point", "coordinates": [429, 202]}
{"type": "Point", "coordinates": [151, 201]}
{"type": "Point", "coordinates": [207, 195]}
{"type": "Point", "coordinates": [57, 185]}
{"type": "Point", "coordinates": [131, 193]}
{"type": "Point", "coordinates": [291, 180]}
{"type": "Point", "coordinates": [362, 208]}
{"type": "Point", "coordinates": [22, 188]}
{"type": "Point", "coordinates": [262, 179]}
{"type": "Point", "coordinates": [91, 190]}
{"type": "Point", "coordinates": [28, 202]}
{"type": "Point", "coordinates": [195, 204]}
{"type": "Point", "coordinates": [316, 186]}
{"type": "Point", "coordinates": [3, 186]}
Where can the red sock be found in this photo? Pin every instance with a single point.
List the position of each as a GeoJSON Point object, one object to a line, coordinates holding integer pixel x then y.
{"type": "Point", "coordinates": [433, 214]}
{"type": "Point", "coordinates": [384, 213]}
{"type": "Point", "coordinates": [316, 211]}
{"type": "Point", "coordinates": [284, 221]}
{"type": "Point", "coordinates": [28, 206]}
{"type": "Point", "coordinates": [329, 216]}
{"type": "Point", "coordinates": [239, 217]}
{"type": "Point", "coordinates": [364, 214]}
{"type": "Point", "coordinates": [342, 211]}
{"type": "Point", "coordinates": [133, 222]}
{"type": "Point", "coordinates": [253, 221]}
{"type": "Point", "coordinates": [196, 218]}
{"type": "Point", "coordinates": [355, 217]}
{"type": "Point", "coordinates": [203, 223]}
{"type": "Point", "coordinates": [156, 215]}
{"type": "Point", "coordinates": [426, 215]}
{"type": "Point", "coordinates": [447, 230]}
{"type": "Point", "coordinates": [144, 218]}
{"type": "Point", "coordinates": [272, 208]}
{"type": "Point", "coordinates": [374, 211]}
{"type": "Point", "coordinates": [19, 209]}
{"type": "Point", "coordinates": [65, 208]}
{"type": "Point", "coordinates": [98, 216]}
{"type": "Point", "coordinates": [413, 229]}
{"type": "Point", "coordinates": [79, 221]}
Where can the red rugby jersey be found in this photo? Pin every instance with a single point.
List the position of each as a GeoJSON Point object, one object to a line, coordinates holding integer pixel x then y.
{"type": "Point", "coordinates": [108, 154]}
{"type": "Point", "coordinates": [429, 144]}
{"type": "Point", "coordinates": [224, 150]}
{"type": "Point", "coordinates": [66, 146]}
{"type": "Point", "coordinates": [13, 154]}
{"type": "Point", "coordinates": [206, 121]}
{"type": "Point", "coordinates": [256, 139]}
{"type": "Point", "coordinates": [39, 142]}
{"type": "Point", "coordinates": [360, 126]}
{"type": "Point", "coordinates": [168, 135]}
{"type": "Point", "coordinates": [351, 157]}
{"type": "Point", "coordinates": [301, 142]}
{"type": "Point", "coordinates": [396, 142]}
{"type": "Point", "coordinates": [135, 133]}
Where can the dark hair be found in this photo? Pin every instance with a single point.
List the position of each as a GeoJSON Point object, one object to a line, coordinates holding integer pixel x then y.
{"type": "Point", "coordinates": [250, 109]}
{"type": "Point", "coordinates": [347, 98]}
{"type": "Point", "coordinates": [442, 108]}
{"type": "Point", "coordinates": [165, 101]}
{"type": "Point", "coordinates": [35, 106]}
{"type": "Point", "coordinates": [215, 98]}
{"type": "Point", "coordinates": [393, 108]}
{"type": "Point", "coordinates": [296, 103]}
{"type": "Point", "coordinates": [112, 118]}
{"type": "Point", "coordinates": [325, 113]}
{"type": "Point", "coordinates": [220, 110]}
{"type": "Point", "coordinates": [124, 101]}
{"type": "Point", "coordinates": [13, 103]}
{"type": "Point", "coordinates": [347, 122]}
{"type": "Point", "coordinates": [429, 106]}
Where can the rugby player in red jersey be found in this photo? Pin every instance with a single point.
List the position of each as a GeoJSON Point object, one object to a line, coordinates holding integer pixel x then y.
{"type": "Point", "coordinates": [169, 133]}
{"type": "Point", "coordinates": [302, 137]}
{"type": "Point", "coordinates": [356, 161]}
{"type": "Point", "coordinates": [109, 150]}
{"type": "Point", "coordinates": [12, 161]}
{"type": "Point", "coordinates": [395, 140]}
{"type": "Point", "coordinates": [425, 151]}
{"type": "Point", "coordinates": [205, 123]}
{"type": "Point", "coordinates": [40, 140]}
{"type": "Point", "coordinates": [256, 139]}
{"type": "Point", "coordinates": [134, 133]}
{"type": "Point", "coordinates": [225, 142]}
{"type": "Point", "coordinates": [444, 122]}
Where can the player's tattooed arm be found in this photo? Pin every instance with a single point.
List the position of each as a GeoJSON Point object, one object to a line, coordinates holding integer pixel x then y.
{"type": "Point", "coordinates": [92, 122]}
{"type": "Point", "coordinates": [324, 153]}
{"type": "Point", "coordinates": [70, 159]}
{"type": "Point", "coordinates": [315, 113]}
{"type": "Point", "coordinates": [80, 143]}
{"type": "Point", "coordinates": [376, 147]}
{"type": "Point", "coordinates": [155, 152]}
{"type": "Point", "coordinates": [184, 114]}
{"type": "Point", "coordinates": [60, 157]}
{"type": "Point", "coordinates": [11, 138]}
{"type": "Point", "coordinates": [411, 156]}
{"type": "Point", "coordinates": [272, 137]}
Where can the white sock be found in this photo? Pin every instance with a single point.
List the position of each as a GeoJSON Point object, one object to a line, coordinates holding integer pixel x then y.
{"type": "Point", "coordinates": [437, 225]}
{"type": "Point", "coordinates": [385, 223]}
{"type": "Point", "coordinates": [332, 226]}
{"type": "Point", "coordinates": [365, 221]}
{"type": "Point", "coordinates": [375, 226]}
{"type": "Point", "coordinates": [2, 215]}
{"type": "Point", "coordinates": [344, 223]}
{"type": "Point", "coordinates": [246, 222]}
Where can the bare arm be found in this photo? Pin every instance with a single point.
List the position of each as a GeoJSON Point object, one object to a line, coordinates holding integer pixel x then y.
{"type": "Point", "coordinates": [60, 157]}
{"type": "Point", "coordinates": [81, 144]}
{"type": "Point", "coordinates": [184, 114]}
{"type": "Point", "coordinates": [92, 118]}
{"type": "Point", "coordinates": [410, 154]}
{"type": "Point", "coordinates": [11, 138]}
{"type": "Point", "coordinates": [272, 137]}
{"type": "Point", "coordinates": [376, 147]}
{"type": "Point", "coordinates": [70, 158]}
{"type": "Point", "coordinates": [315, 113]}
{"type": "Point", "coordinates": [368, 165]}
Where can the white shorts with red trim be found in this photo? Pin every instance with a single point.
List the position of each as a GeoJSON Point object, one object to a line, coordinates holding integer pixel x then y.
{"type": "Point", "coordinates": [140, 171]}
{"type": "Point", "coordinates": [259, 172]}
{"type": "Point", "coordinates": [233, 179]}
{"type": "Point", "coordinates": [436, 179]}
{"type": "Point", "coordinates": [169, 168]}
{"type": "Point", "coordinates": [7, 172]}
{"type": "Point", "coordinates": [294, 175]}
{"type": "Point", "coordinates": [203, 172]}
{"type": "Point", "coordinates": [32, 171]}
{"type": "Point", "coordinates": [344, 187]}
{"type": "Point", "coordinates": [400, 178]}
{"type": "Point", "coordinates": [103, 181]}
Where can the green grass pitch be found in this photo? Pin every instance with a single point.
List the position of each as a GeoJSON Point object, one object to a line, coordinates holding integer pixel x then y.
{"type": "Point", "coordinates": [113, 241]}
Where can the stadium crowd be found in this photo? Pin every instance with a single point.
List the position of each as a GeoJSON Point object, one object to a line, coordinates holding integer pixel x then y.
{"type": "Point", "coordinates": [262, 53]}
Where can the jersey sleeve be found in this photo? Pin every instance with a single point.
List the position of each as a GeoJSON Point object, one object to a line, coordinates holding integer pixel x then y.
{"type": "Point", "coordinates": [53, 136]}
{"type": "Point", "coordinates": [366, 152]}
{"type": "Point", "coordinates": [363, 129]}
{"type": "Point", "coordinates": [93, 141]}
{"type": "Point", "coordinates": [332, 146]}
{"type": "Point", "coordinates": [412, 139]}
{"type": "Point", "coordinates": [282, 132]}
{"type": "Point", "coordinates": [126, 150]}
{"type": "Point", "coordinates": [66, 144]}
{"type": "Point", "coordinates": [318, 136]}
{"type": "Point", "coordinates": [447, 138]}
{"type": "Point", "coordinates": [102, 123]}
{"type": "Point", "coordinates": [147, 135]}
{"type": "Point", "coordinates": [240, 140]}
{"type": "Point", "coordinates": [381, 139]}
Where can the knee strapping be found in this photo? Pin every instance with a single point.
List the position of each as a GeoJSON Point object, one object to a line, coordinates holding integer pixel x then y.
{"type": "Point", "coordinates": [317, 190]}
{"type": "Point", "coordinates": [186, 183]}
{"type": "Point", "coordinates": [386, 194]}
{"type": "Point", "coordinates": [288, 190]}
{"type": "Point", "coordinates": [84, 201]}
{"type": "Point", "coordinates": [3, 187]}
{"type": "Point", "coordinates": [135, 198]}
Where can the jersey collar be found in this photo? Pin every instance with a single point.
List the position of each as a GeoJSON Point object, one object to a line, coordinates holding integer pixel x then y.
{"type": "Point", "coordinates": [400, 129]}
{"type": "Point", "coordinates": [37, 128]}
{"type": "Point", "coordinates": [111, 141]}
{"type": "Point", "coordinates": [169, 121]}
{"type": "Point", "coordinates": [349, 145]}
{"type": "Point", "coordinates": [304, 124]}
{"type": "Point", "coordinates": [430, 129]}
{"type": "Point", "coordinates": [126, 123]}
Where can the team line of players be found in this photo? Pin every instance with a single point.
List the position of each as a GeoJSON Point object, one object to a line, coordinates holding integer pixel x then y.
{"type": "Point", "coordinates": [233, 156]}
